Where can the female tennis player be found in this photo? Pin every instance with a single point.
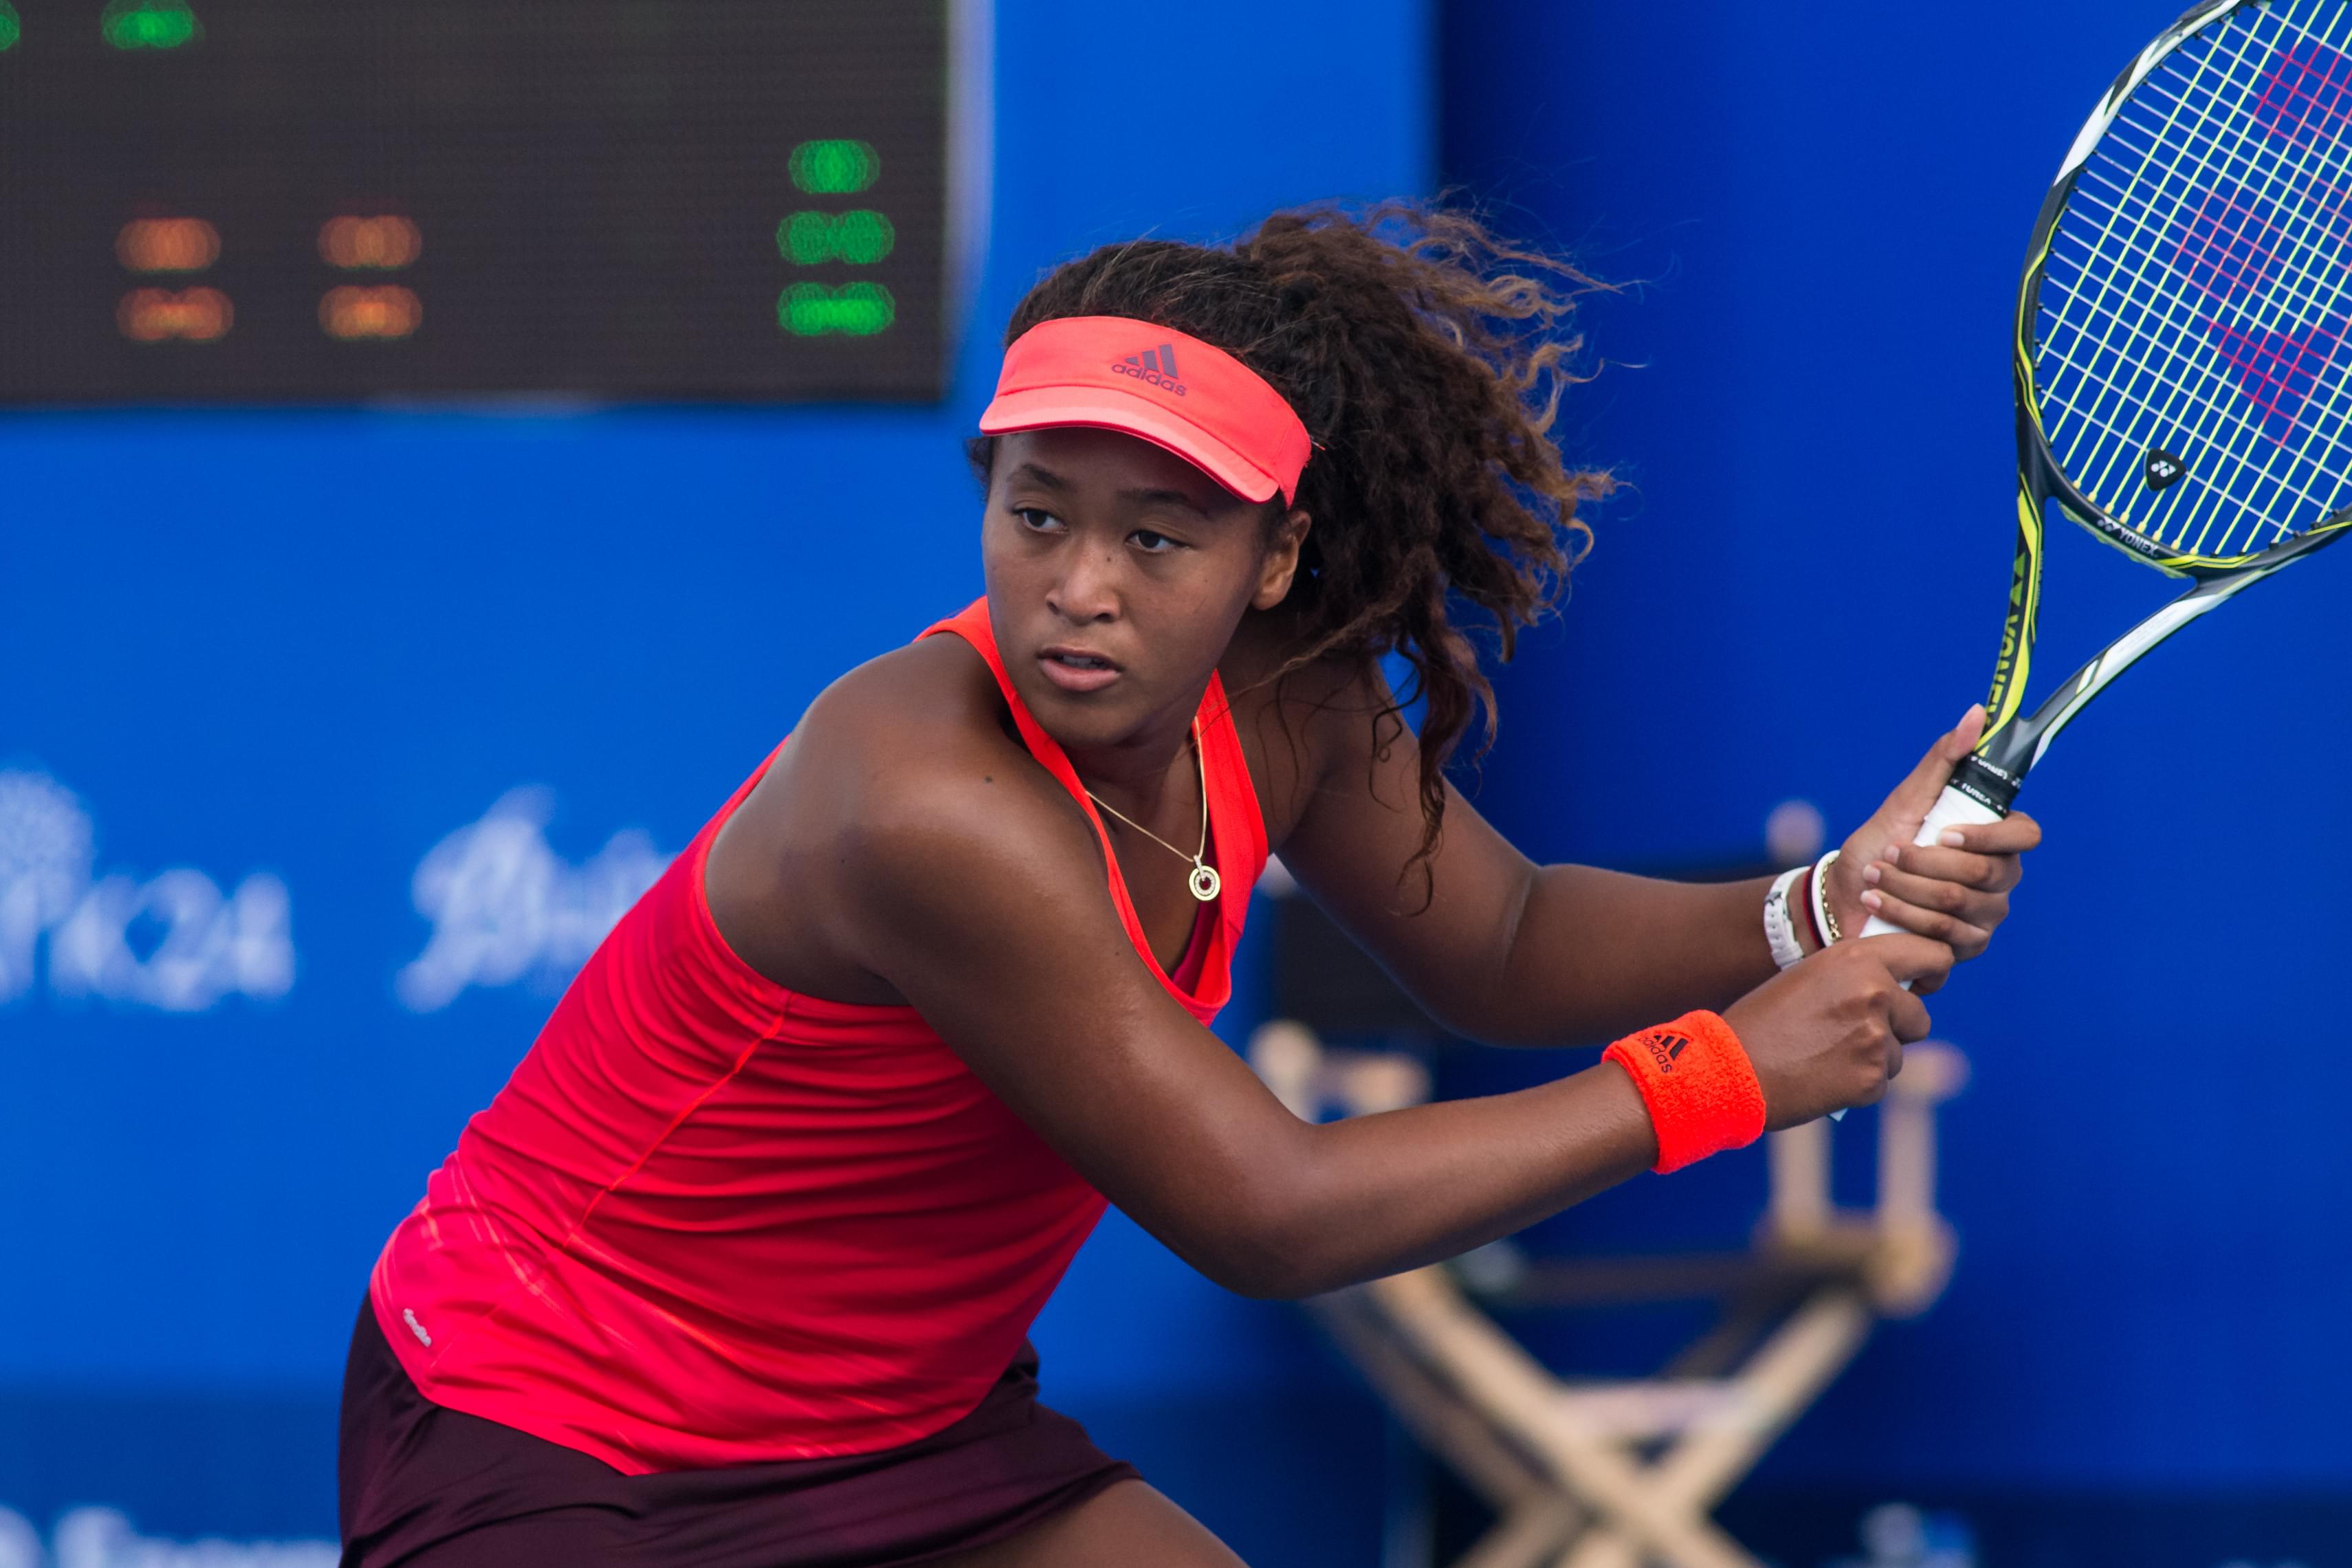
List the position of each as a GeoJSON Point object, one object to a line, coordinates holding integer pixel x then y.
{"type": "Point", "coordinates": [738, 1268]}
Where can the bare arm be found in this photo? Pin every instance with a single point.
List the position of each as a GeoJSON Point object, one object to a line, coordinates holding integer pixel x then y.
{"type": "Point", "coordinates": [1052, 1007]}
{"type": "Point", "coordinates": [952, 873]}
{"type": "Point", "coordinates": [1516, 954]}
{"type": "Point", "coordinates": [1504, 950]}
{"type": "Point", "coordinates": [1513, 953]}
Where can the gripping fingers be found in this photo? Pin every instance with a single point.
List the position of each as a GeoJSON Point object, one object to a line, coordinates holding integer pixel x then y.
{"type": "Point", "coordinates": [1993, 873]}
{"type": "Point", "coordinates": [2012, 835]}
{"type": "Point", "coordinates": [1959, 917]}
{"type": "Point", "coordinates": [1907, 1015]}
{"type": "Point", "coordinates": [1882, 1059]}
{"type": "Point", "coordinates": [1908, 959]}
{"type": "Point", "coordinates": [1955, 938]}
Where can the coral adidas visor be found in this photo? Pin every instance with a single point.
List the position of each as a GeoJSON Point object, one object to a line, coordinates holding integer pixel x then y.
{"type": "Point", "coordinates": [1172, 389]}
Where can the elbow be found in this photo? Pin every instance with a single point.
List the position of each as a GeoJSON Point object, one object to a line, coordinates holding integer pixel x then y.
{"type": "Point", "coordinates": [1476, 1003]}
{"type": "Point", "coordinates": [1470, 1017]}
{"type": "Point", "coordinates": [1266, 1274]}
{"type": "Point", "coordinates": [1270, 1277]}
{"type": "Point", "coordinates": [1484, 1016]}
{"type": "Point", "coordinates": [1272, 1248]}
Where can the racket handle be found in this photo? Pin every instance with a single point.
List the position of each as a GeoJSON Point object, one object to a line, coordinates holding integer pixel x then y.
{"type": "Point", "coordinates": [1953, 809]}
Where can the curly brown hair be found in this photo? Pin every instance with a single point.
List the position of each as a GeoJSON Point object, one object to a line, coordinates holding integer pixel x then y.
{"type": "Point", "coordinates": [1427, 358]}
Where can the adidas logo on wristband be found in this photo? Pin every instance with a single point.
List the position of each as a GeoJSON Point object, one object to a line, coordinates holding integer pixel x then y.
{"type": "Point", "coordinates": [1697, 1085]}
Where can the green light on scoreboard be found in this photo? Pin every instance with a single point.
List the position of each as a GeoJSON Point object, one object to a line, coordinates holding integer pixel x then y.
{"type": "Point", "coordinates": [812, 309]}
{"type": "Point", "coordinates": [860, 238]}
{"type": "Point", "coordinates": [835, 168]}
{"type": "Point", "coordinates": [149, 23]}
{"type": "Point", "coordinates": [11, 27]}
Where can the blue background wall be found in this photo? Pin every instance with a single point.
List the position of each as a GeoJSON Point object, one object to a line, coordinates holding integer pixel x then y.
{"type": "Point", "coordinates": [311, 647]}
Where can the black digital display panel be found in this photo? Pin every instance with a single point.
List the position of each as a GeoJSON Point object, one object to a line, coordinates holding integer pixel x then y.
{"type": "Point", "coordinates": [338, 201]}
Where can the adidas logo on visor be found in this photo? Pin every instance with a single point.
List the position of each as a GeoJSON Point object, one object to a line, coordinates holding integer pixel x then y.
{"type": "Point", "coordinates": [1153, 367]}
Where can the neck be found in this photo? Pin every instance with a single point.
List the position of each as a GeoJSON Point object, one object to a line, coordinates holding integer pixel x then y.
{"type": "Point", "coordinates": [1138, 773]}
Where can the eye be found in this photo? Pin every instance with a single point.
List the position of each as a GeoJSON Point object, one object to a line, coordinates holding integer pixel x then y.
{"type": "Point", "coordinates": [1037, 519]}
{"type": "Point", "coordinates": [1152, 542]}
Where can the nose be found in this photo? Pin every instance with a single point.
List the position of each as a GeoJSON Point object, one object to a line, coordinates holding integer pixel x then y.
{"type": "Point", "coordinates": [1087, 593]}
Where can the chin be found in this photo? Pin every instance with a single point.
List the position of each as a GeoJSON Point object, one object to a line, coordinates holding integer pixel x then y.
{"type": "Point", "coordinates": [1082, 719]}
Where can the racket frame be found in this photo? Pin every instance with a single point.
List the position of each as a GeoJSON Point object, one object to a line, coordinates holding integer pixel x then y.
{"type": "Point", "coordinates": [2014, 742]}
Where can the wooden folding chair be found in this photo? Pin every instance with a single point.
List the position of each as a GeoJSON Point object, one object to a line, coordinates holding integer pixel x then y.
{"type": "Point", "coordinates": [1621, 1473]}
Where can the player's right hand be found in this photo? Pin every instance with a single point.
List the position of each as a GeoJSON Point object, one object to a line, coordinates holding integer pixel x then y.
{"type": "Point", "coordinates": [1829, 1032]}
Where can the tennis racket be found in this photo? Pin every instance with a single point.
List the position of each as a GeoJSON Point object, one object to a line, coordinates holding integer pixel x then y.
{"type": "Point", "coordinates": [2183, 345]}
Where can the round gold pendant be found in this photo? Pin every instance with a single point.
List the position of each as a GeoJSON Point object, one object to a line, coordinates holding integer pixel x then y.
{"type": "Point", "coordinates": [1204, 882]}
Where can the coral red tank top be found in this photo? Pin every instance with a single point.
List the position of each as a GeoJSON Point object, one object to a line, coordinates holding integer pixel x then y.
{"type": "Point", "coordinates": [711, 1220]}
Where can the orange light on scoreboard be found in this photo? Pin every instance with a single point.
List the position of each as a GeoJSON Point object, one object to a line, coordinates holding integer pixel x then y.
{"type": "Point", "coordinates": [161, 315]}
{"type": "Point", "coordinates": [382, 244]}
{"type": "Point", "coordinates": [167, 245]}
{"type": "Point", "coordinates": [387, 310]}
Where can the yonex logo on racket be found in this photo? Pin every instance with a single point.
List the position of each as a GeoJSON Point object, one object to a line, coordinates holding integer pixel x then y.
{"type": "Point", "coordinates": [2161, 468]}
{"type": "Point", "coordinates": [1153, 367]}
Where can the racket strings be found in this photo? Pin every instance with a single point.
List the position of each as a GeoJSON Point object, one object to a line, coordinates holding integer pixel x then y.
{"type": "Point", "coordinates": [2143, 340]}
{"type": "Point", "coordinates": [2265, 375]}
{"type": "Point", "coordinates": [2143, 235]}
{"type": "Point", "coordinates": [2194, 396]}
{"type": "Point", "coordinates": [2253, 230]}
{"type": "Point", "coordinates": [2268, 356]}
{"type": "Point", "coordinates": [2241, 263]}
{"type": "Point", "coordinates": [2193, 301]}
{"type": "Point", "coordinates": [2237, 251]}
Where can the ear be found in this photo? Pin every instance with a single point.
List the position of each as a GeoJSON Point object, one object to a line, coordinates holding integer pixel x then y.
{"type": "Point", "coordinates": [1281, 563]}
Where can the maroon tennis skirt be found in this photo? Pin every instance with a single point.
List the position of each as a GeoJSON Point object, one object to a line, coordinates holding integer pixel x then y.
{"type": "Point", "coordinates": [438, 1489]}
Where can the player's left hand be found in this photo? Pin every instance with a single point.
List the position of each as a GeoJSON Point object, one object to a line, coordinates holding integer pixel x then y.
{"type": "Point", "coordinates": [1956, 892]}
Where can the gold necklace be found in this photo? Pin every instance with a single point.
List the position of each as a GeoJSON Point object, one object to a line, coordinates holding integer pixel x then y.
{"type": "Point", "coordinates": [1203, 880]}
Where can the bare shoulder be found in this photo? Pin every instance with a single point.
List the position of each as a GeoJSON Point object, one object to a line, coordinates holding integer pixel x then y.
{"type": "Point", "coordinates": [898, 720]}
{"type": "Point", "coordinates": [919, 754]}
{"type": "Point", "coordinates": [902, 780]}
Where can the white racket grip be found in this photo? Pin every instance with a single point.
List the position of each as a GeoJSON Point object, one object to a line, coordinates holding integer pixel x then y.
{"type": "Point", "coordinates": [1952, 808]}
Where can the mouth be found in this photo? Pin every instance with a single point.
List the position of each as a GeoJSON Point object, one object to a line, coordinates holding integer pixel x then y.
{"type": "Point", "coordinates": [1077, 669]}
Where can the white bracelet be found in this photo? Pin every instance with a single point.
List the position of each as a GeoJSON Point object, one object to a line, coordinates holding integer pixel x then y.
{"type": "Point", "coordinates": [1779, 930]}
{"type": "Point", "coordinates": [1825, 926]}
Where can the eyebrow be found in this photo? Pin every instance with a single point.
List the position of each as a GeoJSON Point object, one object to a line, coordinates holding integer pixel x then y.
{"type": "Point", "coordinates": [1037, 476]}
{"type": "Point", "coordinates": [1046, 478]}
{"type": "Point", "coordinates": [1174, 497]}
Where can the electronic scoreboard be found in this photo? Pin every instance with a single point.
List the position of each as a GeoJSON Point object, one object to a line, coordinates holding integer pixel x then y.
{"type": "Point", "coordinates": [340, 201]}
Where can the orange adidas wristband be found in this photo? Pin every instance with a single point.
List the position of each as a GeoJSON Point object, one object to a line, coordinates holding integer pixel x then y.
{"type": "Point", "coordinates": [1696, 1079]}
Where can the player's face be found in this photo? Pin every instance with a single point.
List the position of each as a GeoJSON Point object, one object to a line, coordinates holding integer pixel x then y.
{"type": "Point", "coordinates": [1116, 573]}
